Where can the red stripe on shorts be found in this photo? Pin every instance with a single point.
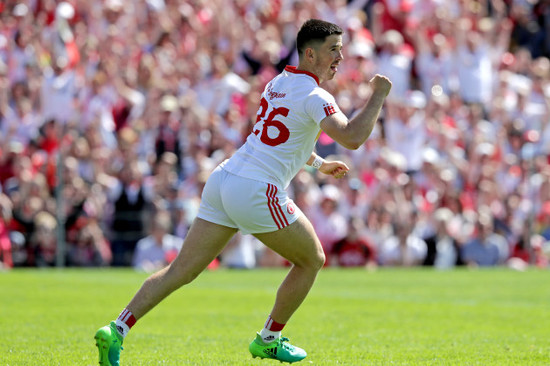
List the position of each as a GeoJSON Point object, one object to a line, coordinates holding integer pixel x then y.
{"type": "Point", "coordinates": [274, 209]}
{"type": "Point", "coordinates": [280, 210]}
{"type": "Point", "coordinates": [268, 195]}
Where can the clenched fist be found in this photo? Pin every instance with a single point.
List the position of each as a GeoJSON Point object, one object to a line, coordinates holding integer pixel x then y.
{"type": "Point", "coordinates": [380, 83]}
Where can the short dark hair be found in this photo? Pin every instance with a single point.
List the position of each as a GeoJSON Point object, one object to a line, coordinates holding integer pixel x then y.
{"type": "Point", "coordinates": [315, 30]}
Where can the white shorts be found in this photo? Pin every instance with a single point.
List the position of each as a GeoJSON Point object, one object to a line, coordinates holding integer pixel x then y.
{"type": "Point", "coordinates": [249, 205]}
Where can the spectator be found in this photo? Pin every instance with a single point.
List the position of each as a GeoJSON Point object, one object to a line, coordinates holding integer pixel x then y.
{"type": "Point", "coordinates": [24, 216]}
{"type": "Point", "coordinates": [48, 139]}
{"type": "Point", "coordinates": [474, 63]}
{"type": "Point", "coordinates": [330, 225]}
{"type": "Point", "coordinates": [158, 248]}
{"type": "Point", "coordinates": [22, 123]}
{"type": "Point", "coordinates": [395, 60]}
{"type": "Point", "coordinates": [353, 250]}
{"type": "Point", "coordinates": [43, 241]}
{"type": "Point", "coordinates": [6, 260]}
{"type": "Point", "coordinates": [434, 65]}
{"type": "Point", "coordinates": [181, 218]}
{"type": "Point", "coordinates": [485, 248]}
{"type": "Point", "coordinates": [522, 256]}
{"type": "Point", "coordinates": [58, 92]}
{"type": "Point", "coordinates": [91, 249]}
{"type": "Point", "coordinates": [544, 220]}
{"type": "Point", "coordinates": [526, 32]}
{"type": "Point", "coordinates": [443, 250]}
{"type": "Point", "coordinates": [215, 91]}
{"type": "Point", "coordinates": [405, 129]}
{"type": "Point", "coordinates": [404, 248]}
{"type": "Point", "coordinates": [130, 199]}
{"type": "Point", "coordinates": [240, 252]}
{"type": "Point", "coordinates": [167, 139]}
{"type": "Point", "coordinates": [23, 53]}
{"type": "Point", "coordinates": [164, 178]}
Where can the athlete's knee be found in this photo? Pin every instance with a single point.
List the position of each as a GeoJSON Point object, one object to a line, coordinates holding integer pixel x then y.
{"type": "Point", "coordinates": [315, 261]}
{"type": "Point", "coordinates": [320, 260]}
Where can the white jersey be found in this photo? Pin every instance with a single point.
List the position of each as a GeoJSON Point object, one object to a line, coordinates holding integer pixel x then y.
{"type": "Point", "coordinates": [287, 127]}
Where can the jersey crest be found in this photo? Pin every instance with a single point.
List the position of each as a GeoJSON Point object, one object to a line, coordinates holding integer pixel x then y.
{"type": "Point", "coordinates": [329, 109]}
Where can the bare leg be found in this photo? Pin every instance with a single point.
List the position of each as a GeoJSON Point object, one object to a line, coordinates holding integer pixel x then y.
{"type": "Point", "coordinates": [299, 244]}
{"type": "Point", "coordinates": [202, 244]}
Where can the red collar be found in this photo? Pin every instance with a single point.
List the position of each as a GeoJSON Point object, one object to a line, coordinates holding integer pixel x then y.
{"type": "Point", "coordinates": [294, 70]}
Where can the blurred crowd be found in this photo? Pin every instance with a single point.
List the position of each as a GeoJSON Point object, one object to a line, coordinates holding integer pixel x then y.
{"type": "Point", "coordinates": [114, 112]}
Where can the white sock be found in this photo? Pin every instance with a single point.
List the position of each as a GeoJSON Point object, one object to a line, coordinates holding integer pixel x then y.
{"type": "Point", "coordinates": [122, 328]}
{"type": "Point", "coordinates": [125, 322]}
{"type": "Point", "coordinates": [269, 336]}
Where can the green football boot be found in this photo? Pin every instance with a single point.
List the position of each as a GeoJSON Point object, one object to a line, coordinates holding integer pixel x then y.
{"type": "Point", "coordinates": [279, 349]}
{"type": "Point", "coordinates": [109, 343]}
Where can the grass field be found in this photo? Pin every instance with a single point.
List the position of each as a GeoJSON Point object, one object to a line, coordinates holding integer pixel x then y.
{"type": "Point", "coordinates": [352, 317]}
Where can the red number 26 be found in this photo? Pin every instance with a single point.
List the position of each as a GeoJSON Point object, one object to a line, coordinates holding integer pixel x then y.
{"type": "Point", "coordinates": [284, 133]}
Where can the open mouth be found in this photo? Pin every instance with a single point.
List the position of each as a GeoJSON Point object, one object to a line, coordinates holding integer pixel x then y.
{"type": "Point", "coordinates": [334, 67]}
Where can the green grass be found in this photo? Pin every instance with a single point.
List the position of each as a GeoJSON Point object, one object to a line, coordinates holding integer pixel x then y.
{"type": "Point", "coordinates": [352, 317]}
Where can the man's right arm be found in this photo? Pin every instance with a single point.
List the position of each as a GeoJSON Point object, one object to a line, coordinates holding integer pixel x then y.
{"type": "Point", "coordinates": [352, 133]}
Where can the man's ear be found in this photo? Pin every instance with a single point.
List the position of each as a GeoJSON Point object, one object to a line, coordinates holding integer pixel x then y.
{"type": "Point", "coordinates": [310, 54]}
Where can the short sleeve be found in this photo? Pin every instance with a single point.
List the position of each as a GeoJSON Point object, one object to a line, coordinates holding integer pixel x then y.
{"type": "Point", "coordinates": [320, 104]}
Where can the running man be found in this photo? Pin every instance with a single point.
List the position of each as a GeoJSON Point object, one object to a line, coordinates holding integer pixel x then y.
{"type": "Point", "coordinates": [247, 192]}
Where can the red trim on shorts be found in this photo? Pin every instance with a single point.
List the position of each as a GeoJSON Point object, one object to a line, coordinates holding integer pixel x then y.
{"type": "Point", "coordinates": [280, 210]}
{"type": "Point", "coordinates": [274, 208]}
{"type": "Point", "coordinates": [268, 195]}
